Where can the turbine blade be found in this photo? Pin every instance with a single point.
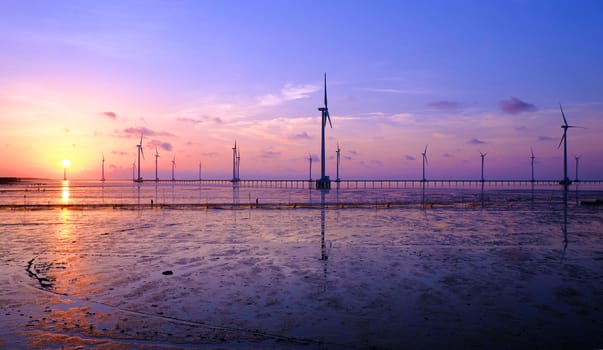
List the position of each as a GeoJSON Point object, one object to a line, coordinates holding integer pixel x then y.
{"type": "Point", "coordinates": [562, 138]}
{"type": "Point", "coordinates": [142, 152]}
{"type": "Point", "coordinates": [425, 149]}
{"type": "Point", "coordinates": [329, 118]}
{"type": "Point", "coordinates": [563, 115]}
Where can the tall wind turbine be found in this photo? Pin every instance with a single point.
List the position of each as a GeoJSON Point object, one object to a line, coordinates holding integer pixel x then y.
{"type": "Point", "coordinates": [338, 161]}
{"type": "Point", "coordinates": [234, 162]}
{"type": "Point", "coordinates": [532, 158]}
{"type": "Point", "coordinates": [103, 169]}
{"type": "Point", "coordinates": [324, 181]}
{"type": "Point", "coordinates": [173, 166]}
{"type": "Point", "coordinates": [139, 146]}
{"type": "Point", "coordinates": [577, 162]}
{"type": "Point", "coordinates": [566, 181]}
{"type": "Point", "coordinates": [483, 155]}
{"type": "Point", "coordinates": [424, 154]}
{"type": "Point", "coordinates": [156, 156]}
{"type": "Point", "coordinates": [310, 160]}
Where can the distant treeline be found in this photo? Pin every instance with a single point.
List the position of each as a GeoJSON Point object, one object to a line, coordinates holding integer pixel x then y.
{"type": "Point", "coordinates": [8, 180]}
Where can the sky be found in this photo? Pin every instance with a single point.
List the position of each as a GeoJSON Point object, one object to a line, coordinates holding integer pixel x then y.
{"type": "Point", "coordinates": [81, 80]}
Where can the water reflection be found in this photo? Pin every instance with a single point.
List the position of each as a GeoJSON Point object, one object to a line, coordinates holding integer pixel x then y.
{"type": "Point", "coordinates": [323, 246]}
{"type": "Point", "coordinates": [65, 191]}
{"type": "Point", "coordinates": [564, 226]}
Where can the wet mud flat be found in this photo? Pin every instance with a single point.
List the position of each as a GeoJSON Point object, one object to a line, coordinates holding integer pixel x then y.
{"type": "Point", "coordinates": [525, 277]}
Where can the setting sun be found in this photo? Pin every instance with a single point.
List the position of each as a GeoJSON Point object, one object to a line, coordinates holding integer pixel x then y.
{"type": "Point", "coordinates": [66, 163]}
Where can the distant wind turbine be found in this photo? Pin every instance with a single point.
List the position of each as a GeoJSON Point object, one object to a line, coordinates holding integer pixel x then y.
{"type": "Point", "coordinates": [140, 151]}
{"type": "Point", "coordinates": [199, 170]}
{"type": "Point", "coordinates": [483, 155]}
{"type": "Point", "coordinates": [238, 164]}
{"type": "Point", "coordinates": [234, 162]}
{"type": "Point", "coordinates": [424, 154]}
{"type": "Point", "coordinates": [173, 166]}
{"type": "Point", "coordinates": [566, 181]}
{"type": "Point", "coordinates": [156, 156]}
{"type": "Point", "coordinates": [133, 168]}
{"type": "Point", "coordinates": [103, 169]}
{"type": "Point", "coordinates": [577, 164]}
{"type": "Point", "coordinates": [338, 161]}
{"type": "Point", "coordinates": [532, 158]}
{"type": "Point", "coordinates": [324, 181]}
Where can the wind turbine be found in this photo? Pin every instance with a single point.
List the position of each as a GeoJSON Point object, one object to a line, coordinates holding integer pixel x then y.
{"type": "Point", "coordinates": [173, 166]}
{"type": "Point", "coordinates": [156, 156]}
{"type": "Point", "coordinates": [234, 162]}
{"type": "Point", "coordinates": [103, 169]}
{"type": "Point", "coordinates": [140, 151]}
{"type": "Point", "coordinates": [324, 181]}
{"type": "Point", "coordinates": [532, 158]}
{"type": "Point", "coordinates": [199, 170]}
{"type": "Point", "coordinates": [338, 161]}
{"type": "Point", "coordinates": [483, 155]}
{"type": "Point", "coordinates": [566, 181]}
{"type": "Point", "coordinates": [133, 168]}
{"type": "Point", "coordinates": [577, 162]}
{"type": "Point", "coordinates": [424, 154]}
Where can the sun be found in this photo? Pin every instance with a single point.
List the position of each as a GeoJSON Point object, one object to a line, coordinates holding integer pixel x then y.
{"type": "Point", "coordinates": [66, 163]}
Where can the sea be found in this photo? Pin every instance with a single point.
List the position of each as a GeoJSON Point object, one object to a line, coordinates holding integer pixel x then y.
{"type": "Point", "coordinates": [282, 265]}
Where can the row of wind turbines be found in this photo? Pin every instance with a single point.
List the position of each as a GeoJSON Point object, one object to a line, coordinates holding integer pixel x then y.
{"type": "Point", "coordinates": [325, 182]}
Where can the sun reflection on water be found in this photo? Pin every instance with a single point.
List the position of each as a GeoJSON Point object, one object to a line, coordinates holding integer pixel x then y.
{"type": "Point", "coordinates": [65, 191]}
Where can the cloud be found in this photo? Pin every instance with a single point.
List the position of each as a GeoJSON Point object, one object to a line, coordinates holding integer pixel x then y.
{"type": "Point", "coordinates": [110, 115]}
{"type": "Point", "coordinates": [444, 105]}
{"type": "Point", "coordinates": [146, 132]}
{"type": "Point", "coordinates": [119, 153]}
{"type": "Point", "coordinates": [515, 106]}
{"type": "Point", "coordinates": [289, 92]}
{"type": "Point", "coordinates": [375, 163]}
{"type": "Point", "coordinates": [154, 144]}
{"type": "Point", "coordinates": [302, 136]}
{"type": "Point", "coordinates": [546, 138]}
{"type": "Point", "coordinates": [210, 154]}
{"type": "Point", "coordinates": [447, 155]}
{"type": "Point", "coordinates": [202, 119]}
{"type": "Point", "coordinates": [270, 154]}
{"type": "Point", "coordinates": [408, 157]}
{"type": "Point", "coordinates": [347, 157]}
{"type": "Point", "coordinates": [476, 142]}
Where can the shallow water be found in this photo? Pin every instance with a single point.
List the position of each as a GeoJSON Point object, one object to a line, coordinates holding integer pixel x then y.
{"type": "Point", "coordinates": [443, 267]}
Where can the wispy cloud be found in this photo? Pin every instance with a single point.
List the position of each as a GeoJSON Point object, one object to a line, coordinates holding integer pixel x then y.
{"type": "Point", "coordinates": [154, 144]}
{"type": "Point", "coordinates": [397, 91]}
{"type": "Point", "coordinates": [447, 155]}
{"type": "Point", "coordinates": [515, 106]}
{"type": "Point", "coordinates": [145, 132]}
{"type": "Point", "coordinates": [270, 154]}
{"type": "Point", "coordinates": [289, 92]}
{"type": "Point", "coordinates": [302, 136]}
{"type": "Point", "coordinates": [545, 138]}
{"type": "Point", "coordinates": [476, 142]}
{"type": "Point", "coordinates": [444, 105]}
{"type": "Point", "coordinates": [201, 119]}
{"type": "Point", "coordinates": [409, 157]}
{"type": "Point", "coordinates": [110, 115]}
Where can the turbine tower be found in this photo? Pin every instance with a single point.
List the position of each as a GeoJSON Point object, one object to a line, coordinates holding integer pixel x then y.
{"type": "Point", "coordinates": [338, 161]}
{"type": "Point", "coordinates": [199, 170]}
{"type": "Point", "coordinates": [139, 146]}
{"type": "Point", "coordinates": [424, 154]}
{"type": "Point", "coordinates": [238, 164]}
{"type": "Point", "coordinates": [156, 156]}
{"type": "Point", "coordinates": [325, 181]}
{"type": "Point", "coordinates": [483, 155]}
{"type": "Point", "coordinates": [234, 162]}
{"type": "Point", "coordinates": [173, 166]}
{"type": "Point", "coordinates": [577, 163]}
{"type": "Point", "coordinates": [133, 168]}
{"type": "Point", "coordinates": [103, 169]}
{"type": "Point", "coordinates": [566, 181]}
